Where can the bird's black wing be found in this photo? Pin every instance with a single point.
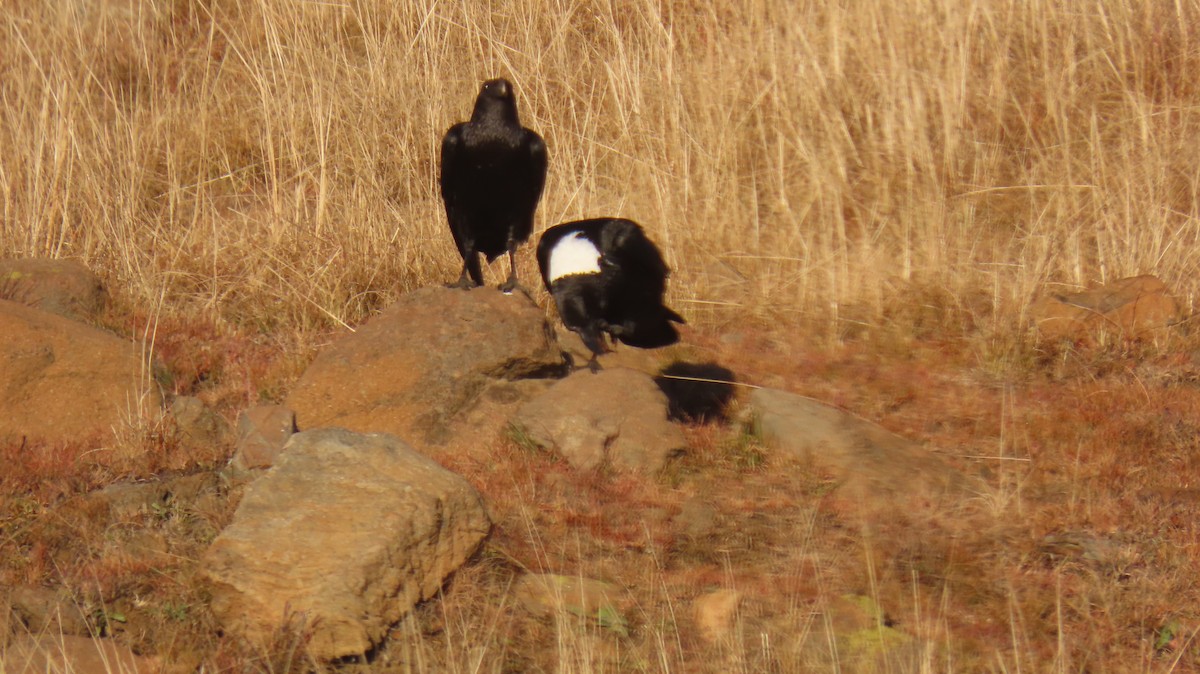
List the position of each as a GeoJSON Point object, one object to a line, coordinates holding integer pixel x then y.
{"type": "Point", "coordinates": [532, 169]}
{"type": "Point", "coordinates": [454, 192]}
{"type": "Point", "coordinates": [627, 254]}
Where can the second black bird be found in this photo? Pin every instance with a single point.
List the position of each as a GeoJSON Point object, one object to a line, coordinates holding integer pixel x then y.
{"type": "Point", "coordinates": [606, 277]}
{"type": "Point", "coordinates": [493, 172]}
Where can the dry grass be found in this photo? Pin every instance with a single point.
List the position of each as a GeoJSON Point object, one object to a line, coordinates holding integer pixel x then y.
{"type": "Point", "coordinates": [274, 163]}
{"type": "Point", "coordinates": [881, 186]}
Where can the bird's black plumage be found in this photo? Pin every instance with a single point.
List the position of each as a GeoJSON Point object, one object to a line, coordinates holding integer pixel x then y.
{"type": "Point", "coordinates": [492, 175]}
{"type": "Point", "coordinates": [607, 277]}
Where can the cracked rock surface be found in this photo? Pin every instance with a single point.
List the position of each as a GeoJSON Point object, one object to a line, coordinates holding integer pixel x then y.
{"type": "Point", "coordinates": [439, 368]}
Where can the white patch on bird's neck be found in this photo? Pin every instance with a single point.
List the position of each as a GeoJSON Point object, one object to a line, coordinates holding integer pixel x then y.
{"type": "Point", "coordinates": [573, 255]}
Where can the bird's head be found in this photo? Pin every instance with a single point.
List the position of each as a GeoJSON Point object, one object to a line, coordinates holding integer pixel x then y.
{"type": "Point", "coordinates": [496, 100]}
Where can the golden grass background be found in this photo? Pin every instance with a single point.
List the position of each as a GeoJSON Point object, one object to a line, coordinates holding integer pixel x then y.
{"type": "Point", "coordinates": [274, 163]}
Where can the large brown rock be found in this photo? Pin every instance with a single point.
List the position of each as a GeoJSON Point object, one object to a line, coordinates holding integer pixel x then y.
{"type": "Point", "coordinates": [616, 417]}
{"type": "Point", "coordinates": [436, 362]}
{"type": "Point", "coordinates": [1131, 307]}
{"type": "Point", "coordinates": [860, 453]}
{"type": "Point", "coordinates": [62, 381]}
{"type": "Point", "coordinates": [342, 536]}
{"type": "Point", "coordinates": [63, 287]}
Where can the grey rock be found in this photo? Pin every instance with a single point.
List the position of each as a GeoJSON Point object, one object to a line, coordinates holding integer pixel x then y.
{"type": "Point", "coordinates": [861, 453]}
{"type": "Point", "coordinates": [616, 416]}
{"type": "Point", "coordinates": [344, 535]}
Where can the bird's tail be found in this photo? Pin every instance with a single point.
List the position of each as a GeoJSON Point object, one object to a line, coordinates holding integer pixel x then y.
{"type": "Point", "coordinates": [652, 329]}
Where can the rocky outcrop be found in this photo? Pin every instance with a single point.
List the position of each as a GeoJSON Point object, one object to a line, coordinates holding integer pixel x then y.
{"type": "Point", "coordinates": [341, 537]}
{"type": "Point", "coordinates": [862, 454]}
{"type": "Point", "coordinates": [63, 287]}
{"type": "Point", "coordinates": [436, 362]}
{"type": "Point", "coordinates": [1131, 307]}
{"type": "Point", "coordinates": [65, 382]}
{"type": "Point", "coordinates": [615, 417]}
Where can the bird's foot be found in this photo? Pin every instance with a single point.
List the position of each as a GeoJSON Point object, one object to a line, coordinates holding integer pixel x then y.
{"type": "Point", "coordinates": [508, 286]}
{"type": "Point", "coordinates": [463, 283]}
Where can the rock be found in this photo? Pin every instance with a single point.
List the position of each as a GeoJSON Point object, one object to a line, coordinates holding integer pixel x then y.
{"type": "Point", "coordinates": [345, 534]}
{"type": "Point", "coordinates": [43, 611]}
{"type": "Point", "coordinates": [550, 595]}
{"type": "Point", "coordinates": [715, 613]}
{"type": "Point", "coordinates": [63, 287]}
{"type": "Point", "coordinates": [197, 425]}
{"type": "Point", "coordinates": [437, 361]}
{"type": "Point", "coordinates": [861, 453]}
{"type": "Point", "coordinates": [1132, 307]}
{"type": "Point", "coordinates": [65, 382]}
{"type": "Point", "coordinates": [34, 654]}
{"type": "Point", "coordinates": [262, 433]}
{"type": "Point", "coordinates": [615, 416]}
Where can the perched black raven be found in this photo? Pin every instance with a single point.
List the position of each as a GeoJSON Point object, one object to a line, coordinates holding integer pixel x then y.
{"type": "Point", "coordinates": [493, 171]}
{"type": "Point", "coordinates": [607, 277]}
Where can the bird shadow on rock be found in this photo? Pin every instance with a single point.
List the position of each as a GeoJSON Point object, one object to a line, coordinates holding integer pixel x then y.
{"type": "Point", "coordinates": [696, 392]}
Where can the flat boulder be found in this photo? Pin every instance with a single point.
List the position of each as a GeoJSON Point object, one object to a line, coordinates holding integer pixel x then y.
{"type": "Point", "coordinates": [438, 364]}
{"type": "Point", "coordinates": [62, 381]}
{"type": "Point", "coordinates": [341, 538]}
{"type": "Point", "coordinates": [63, 287]}
{"type": "Point", "coordinates": [860, 453]}
{"type": "Point", "coordinates": [614, 417]}
{"type": "Point", "coordinates": [1133, 307]}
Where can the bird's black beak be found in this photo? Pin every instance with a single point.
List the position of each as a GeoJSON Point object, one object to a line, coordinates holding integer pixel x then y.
{"type": "Point", "coordinates": [500, 88]}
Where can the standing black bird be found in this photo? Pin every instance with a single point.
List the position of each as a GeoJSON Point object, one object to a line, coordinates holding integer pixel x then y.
{"type": "Point", "coordinates": [493, 171]}
{"type": "Point", "coordinates": [607, 277]}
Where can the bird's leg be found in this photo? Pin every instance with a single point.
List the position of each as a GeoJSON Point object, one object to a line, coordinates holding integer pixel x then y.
{"type": "Point", "coordinates": [472, 275]}
{"type": "Point", "coordinates": [508, 286]}
{"type": "Point", "coordinates": [464, 281]}
{"type": "Point", "coordinates": [594, 341]}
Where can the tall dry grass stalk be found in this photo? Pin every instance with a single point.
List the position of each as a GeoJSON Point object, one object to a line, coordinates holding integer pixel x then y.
{"type": "Point", "coordinates": [275, 162]}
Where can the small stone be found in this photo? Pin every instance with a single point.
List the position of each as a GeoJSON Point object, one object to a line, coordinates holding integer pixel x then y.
{"type": "Point", "coordinates": [715, 613]}
{"type": "Point", "coordinates": [262, 433]}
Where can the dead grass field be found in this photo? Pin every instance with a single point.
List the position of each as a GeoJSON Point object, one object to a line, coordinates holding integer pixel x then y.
{"type": "Point", "coordinates": [867, 195]}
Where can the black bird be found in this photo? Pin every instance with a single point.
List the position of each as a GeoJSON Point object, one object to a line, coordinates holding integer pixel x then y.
{"type": "Point", "coordinates": [607, 277]}
{"type": "Point", "coordinates": [493, 171]}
